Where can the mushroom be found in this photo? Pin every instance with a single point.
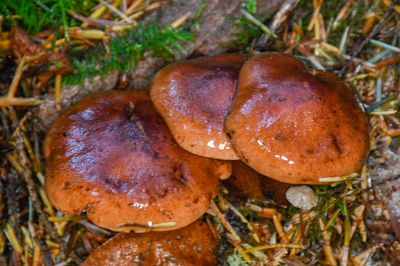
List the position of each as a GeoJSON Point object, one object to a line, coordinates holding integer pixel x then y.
{"type": "Point", "coordinates": [192, 245]}
{"type": "Point", "coordinates": [112, 156]}
{"type": "Point", "coordinates": [295, 125]}
{"type": "Point", "coordinates": [247, 183]}
{"type": "Point", "coordinates": [193, 97]}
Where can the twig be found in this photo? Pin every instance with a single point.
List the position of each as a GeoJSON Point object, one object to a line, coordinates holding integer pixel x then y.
{"type": "Point", "coordinates": [57, 91]}
{"type": "Point", "coordinates": [377, 28]}
{"type": "Point", "coordinates": [347, 237]}
{"type": "Point", "coordinates": [327, 243]}
{"type": "Point", "coordinates": [256, 22]}
{"type": "Point", "coordinates": [6, 101]}
{"type": "Point", "coordinates": [279, 229]}
{"type": "Point", "coordinates": [385, 45]}
{"type": "Point", "coordinates": [223, 221]}
{"type": "Point", "coordinates": [26, 173]}
{"type": "Point", "coordinates": [12, 90]}
{"type": "Point", "coordinates": [12, 202]}
{"type": "Point", "coordinates": [278, 20]}
{"type": "Point", "coordinates": [133, 7]}
{"type": "Point", "coordinates": [117, 12]}
{"type": "Point", "coordinates": [230, 229]}
{"type": "Point", "coordinates": [177, 23]}
{"type": "Point", "coordinates": [342, 13]}
{"type": "Point", "coordinates": [94, 21]}
{"type": "Point", "coordinates": [273, 246]}
{"type": "Point", "coordinates": [16, 79]}
{"type": "Point", "coordinates": [314, 17]}
{"type": "Point", "coordinates": [388, 61]}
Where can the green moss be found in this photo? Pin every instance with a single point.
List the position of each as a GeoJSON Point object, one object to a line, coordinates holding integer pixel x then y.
{"type": "Point", "coordinates": [245, 32]}
{"type": "Point", "coordinates": [126, 50]}
{"type": "Point", "coordinates": [250, 6]}
{"type": "Point", "coordinates": [36, 15]}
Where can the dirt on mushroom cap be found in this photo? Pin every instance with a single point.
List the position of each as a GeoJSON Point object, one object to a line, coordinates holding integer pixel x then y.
{"type": "Point", "coordinates": [194, 97]}
{"type": "Point", "coordinates": [295, 125]}
{"type": "Point", "coordinates": [192, 245]}
{"type": "Point", "coordinates": [112, 156]}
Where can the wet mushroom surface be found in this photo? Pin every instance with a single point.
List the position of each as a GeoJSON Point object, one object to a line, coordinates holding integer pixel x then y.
{"type": "Point", "coordinates": [296, 125]}
{"type": "Point", "coordinates": [111, 156]}
{"type": "Point", "coordinates": [192, 245]}
{"type": "Point", "coordinates": [193, 97]}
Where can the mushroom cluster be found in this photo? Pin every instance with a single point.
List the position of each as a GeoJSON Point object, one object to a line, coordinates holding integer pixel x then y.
{"type": "Point", "coordinates": [139, 162]}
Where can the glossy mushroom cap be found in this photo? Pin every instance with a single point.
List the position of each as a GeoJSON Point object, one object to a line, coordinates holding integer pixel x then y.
{"type": "Point", "coordinates": [192, 245]}
{"type": "Point", "coordinates": [193, 97]}
{"type": "Point", "coordinates": [295, 125]}
{"type": "Point", "coordinates": [247, 183]}
{"type": "Point", "coordinates": [112, 156]}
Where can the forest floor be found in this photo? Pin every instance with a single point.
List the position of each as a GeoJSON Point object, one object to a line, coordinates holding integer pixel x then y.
{"type": "Point", "coordinates": [52, 52]}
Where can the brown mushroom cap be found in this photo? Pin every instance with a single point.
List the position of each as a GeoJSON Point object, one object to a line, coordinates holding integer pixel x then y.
{"type": "Point", "coordinates": [192, 245]}
{"type": "Point", "coordinates": [294, 125]}
{"type": "Point", "coordinates": [246, 182]}
{"type": "Point", "coordinates": [112, 156]}
{"type": "Point", "coordinates": [193, 97]}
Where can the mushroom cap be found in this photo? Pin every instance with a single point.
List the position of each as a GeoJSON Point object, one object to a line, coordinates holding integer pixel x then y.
{"type": "Point", "coordinates": [294, 125]}
{"type": "Point", "coordinates": [247, 183]}
{"type": "Point", "coordinates": [192, 245]}
{"type": "Point", "coordinates": [193, 97]}
{"type": "Point", "coordinates": [112, 156]}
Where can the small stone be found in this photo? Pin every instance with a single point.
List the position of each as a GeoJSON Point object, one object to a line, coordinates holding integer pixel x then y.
{"type": "Point", "coordinates": [302, 197]}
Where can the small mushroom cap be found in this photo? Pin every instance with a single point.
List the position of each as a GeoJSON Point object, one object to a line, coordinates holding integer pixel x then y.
{"type": "Point", "coordinates": [192, 245]}
{"type": "Point", "coordinates": [112, 156]}
{"type": "Point", "coordinates": [247, 183]}
{"type": "Point", "coordinates": [193, 97]}
{"type": "Point", "coordinates": [294, 125]}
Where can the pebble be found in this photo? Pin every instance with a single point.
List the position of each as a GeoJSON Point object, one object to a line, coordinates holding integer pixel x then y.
{"type": "Point", "coordinates": [302, 197]}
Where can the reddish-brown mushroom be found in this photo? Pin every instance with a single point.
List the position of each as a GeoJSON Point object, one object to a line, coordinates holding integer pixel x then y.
{"type": "Point", "coordinates": [193, 97]}
{"type": "Point", "coordinates": [192, 245]}
{"type": "Point", "coordinates": [247, 183]}
{"type": "Point", "coordinates": [296, 125]}
{"type": "Point", "coordinates": [112, 156]}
